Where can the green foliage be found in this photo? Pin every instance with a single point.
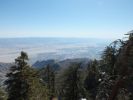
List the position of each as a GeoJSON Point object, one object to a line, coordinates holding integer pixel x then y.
{"type": "Point", "coordinates": [109, 56]}
{"type": "Point", "coordinates": [71, 87]}
{"type": "Point", "coordinates": [91, 80]}
{"type": "Point", "coordinates": [116, 64]}
{"type": "Point", "coordinates": [36, 91]}
{"type": "Point", "coordinates": [3, 95]}
{"type": "Point", "coordinates": [48, 79]}
{"type": "Point", "coordinates": [107, 69]}
{"type": "Point", "coordinates": [23, 82]}
{"type": "Point", "coordinates": [16, 85]}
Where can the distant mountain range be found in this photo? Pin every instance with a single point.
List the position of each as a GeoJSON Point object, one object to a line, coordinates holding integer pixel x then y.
{"type": "Point", "coordinates": [61, 64]}
{"type": "Point", "coordinates": [4, 67]}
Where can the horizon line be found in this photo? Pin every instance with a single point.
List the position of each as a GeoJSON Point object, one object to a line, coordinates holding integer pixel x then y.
{"type": "Point", "coordinates": [56, 37]}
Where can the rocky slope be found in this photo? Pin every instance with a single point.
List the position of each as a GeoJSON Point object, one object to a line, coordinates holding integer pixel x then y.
{"type": "Point", "coordinates": [4, 68]}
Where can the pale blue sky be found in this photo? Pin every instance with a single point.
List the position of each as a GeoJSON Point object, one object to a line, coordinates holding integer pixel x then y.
{"type": "Point", "coordinates": [65, 18]}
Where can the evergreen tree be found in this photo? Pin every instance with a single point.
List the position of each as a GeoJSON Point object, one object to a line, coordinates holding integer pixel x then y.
{"type": "Point", "coordinates": [71, 87]}
{"type": "Point", "coordinates": [3, 95]}
{"type": "Point", "coordinates": [23, 82]}
{"type": "Point", "coordinates": [16, 84]}
{"type": "Point", "coordinates": [48, 78]}
{"type": "Point", "coordinates": [124, 67]}
{"type": "Point", "coordinates": [117, 80]}
{"type": "Point", "coordinates": [91, 80]}
{"type": "Point", "coordinates": [110, 55]}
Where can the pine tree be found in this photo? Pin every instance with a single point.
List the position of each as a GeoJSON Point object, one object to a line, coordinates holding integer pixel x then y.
{"type": "Point", "coordinates": [107, 69]}
{"type": "Point", "coordinates": [16, 84]}
{"type": "Point", "coordinates": [48, 78]}
{"type": "Point", "coordinates": [3, 95]}
{"type": "Point", "coordinates": [71, 87]}
{"type": "Point", "coordinates": [117, 80]}
{"type": "Point", "coordinates": [109, 56]}
{"type": "Point", "coordinates": [23, 82]}
{"type": "Point", "coordinates": [124, 67]}
{"type": "Point", "coordinates": [91, 80]}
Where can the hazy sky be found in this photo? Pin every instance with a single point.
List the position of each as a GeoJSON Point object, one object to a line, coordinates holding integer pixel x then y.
{"type": "Point", "coordinates": [65, 18]}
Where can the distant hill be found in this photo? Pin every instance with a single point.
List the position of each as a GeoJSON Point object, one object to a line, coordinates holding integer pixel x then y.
{"type": "Point", "coordinates": [4, 68]}
{"type": "Point", "coordinates": [61, 64]}
{"type": "Point", "coordinates": [44, 63]}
